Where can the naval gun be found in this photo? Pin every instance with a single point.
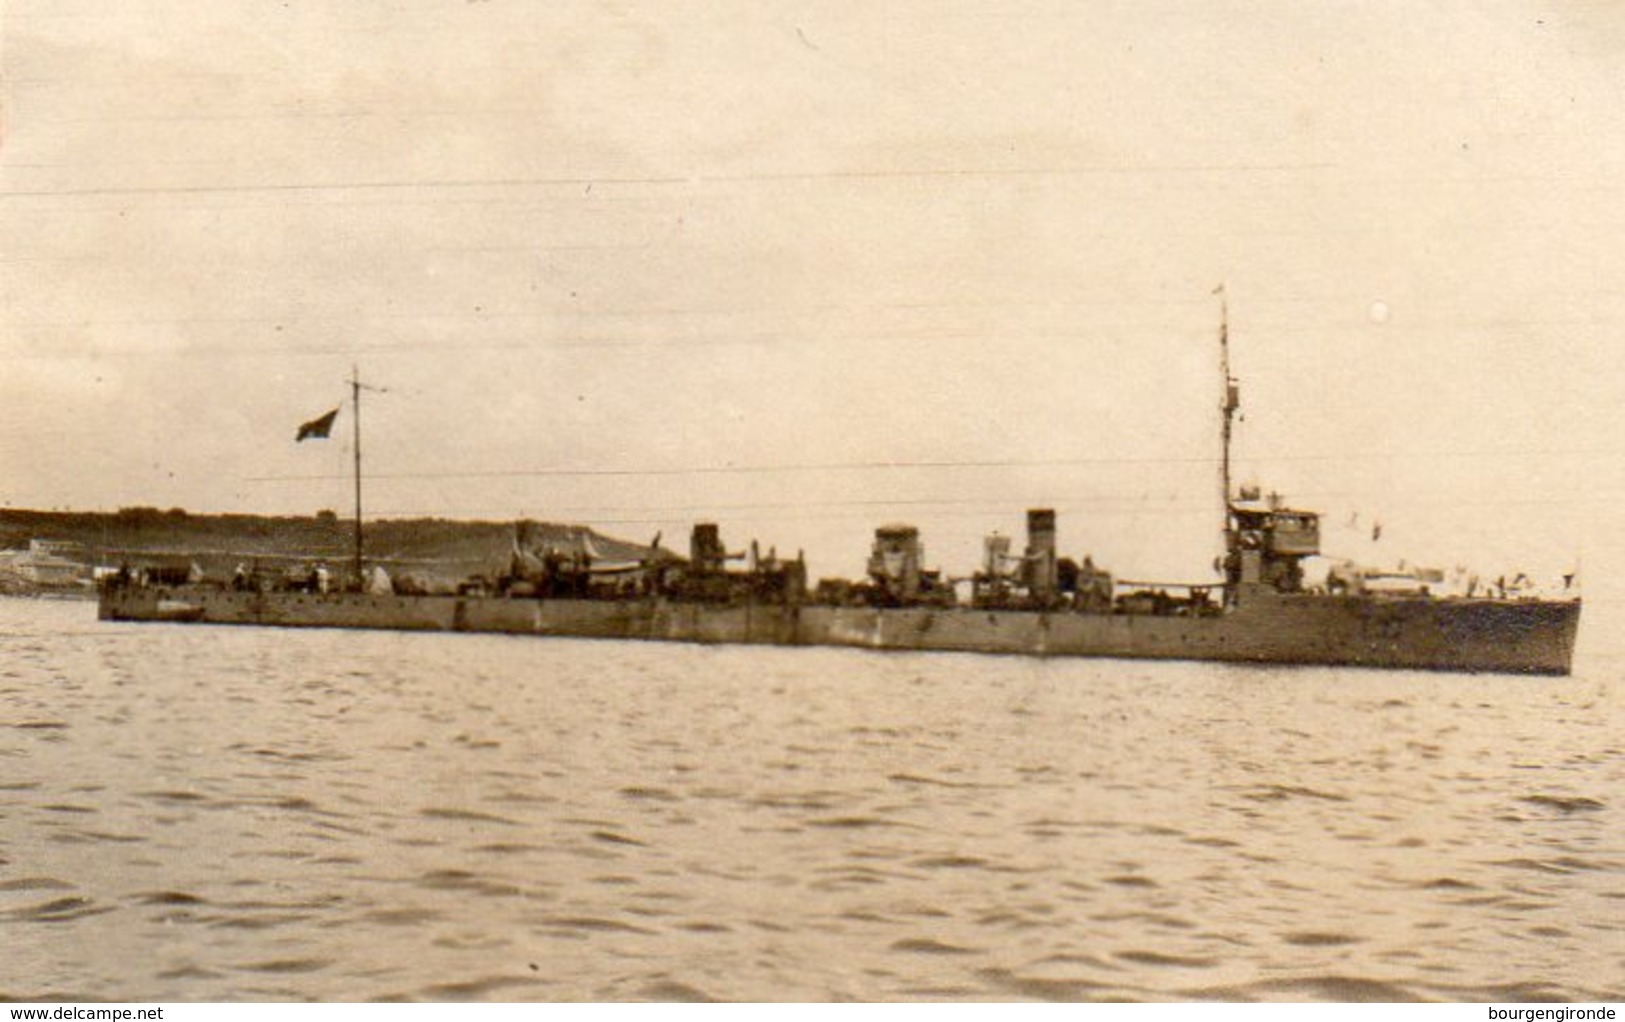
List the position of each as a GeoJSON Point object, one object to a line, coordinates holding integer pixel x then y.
{"type": "Point", "coordinates": [543, 564]}
{"type": "Point", "coordinates": [897, 576]}
{"type": "Point", "coordinates": [707, 578]}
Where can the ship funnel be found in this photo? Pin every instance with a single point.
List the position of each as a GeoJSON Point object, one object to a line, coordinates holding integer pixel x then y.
{"type": "Point", "coordinates": [705, 551]}
{"type": "Point", "coordinates": [1041, 560]}
{"type": "Point", "coordinates": [995, 551]}
{"type": "Point", "coordinates": [895, 559]}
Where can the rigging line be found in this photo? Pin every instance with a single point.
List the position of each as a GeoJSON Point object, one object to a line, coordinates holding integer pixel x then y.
{"type": "Point", "coordinates": [654, 518]}
{"type": "Point", "coordinates": [886, 465]}
{"type": "Point", "coordinates": [992, 520]}
{"type": "Point", "coordinates": [673, 179]}
{"type": "Point", "coordinates": [1153, 504]}
{"type": "Point", "coordinates": [727, 469]}
{"type": "Point", "coordinates": [959, 509]}
{"type": "Point", "coordinates": [655, 310]}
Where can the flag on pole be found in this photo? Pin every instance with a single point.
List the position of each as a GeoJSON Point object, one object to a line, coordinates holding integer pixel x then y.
{"type": "Point", "coordinates": [317, 428]}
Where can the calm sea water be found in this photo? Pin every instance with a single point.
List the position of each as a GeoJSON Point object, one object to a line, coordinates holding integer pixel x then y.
{"type": "Point", "coordinates": [192, 813]}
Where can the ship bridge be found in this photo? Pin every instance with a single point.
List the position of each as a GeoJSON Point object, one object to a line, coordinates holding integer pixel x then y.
{"type": "Point", "coordinates": [1267, 542]}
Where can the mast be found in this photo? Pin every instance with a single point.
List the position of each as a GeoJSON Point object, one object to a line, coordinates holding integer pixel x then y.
{"type": "Point", "coordinates": [355, 399]}
{"type": "Point", "coordinates": [1228, 403]}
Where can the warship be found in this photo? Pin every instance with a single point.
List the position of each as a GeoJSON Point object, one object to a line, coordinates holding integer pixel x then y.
{"type": "Point", "coordinates": [1034, 603]}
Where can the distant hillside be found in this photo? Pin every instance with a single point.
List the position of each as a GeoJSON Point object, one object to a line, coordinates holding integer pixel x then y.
{"type": "Point", "coordinates": [437, 547]}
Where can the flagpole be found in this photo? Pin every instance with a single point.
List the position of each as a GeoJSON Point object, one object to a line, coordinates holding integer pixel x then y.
{"type": "Point", "coordinates": [355, 398]}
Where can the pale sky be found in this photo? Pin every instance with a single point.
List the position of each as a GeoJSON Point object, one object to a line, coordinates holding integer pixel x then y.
{"type": "Point", "coordinates": [650, 238]}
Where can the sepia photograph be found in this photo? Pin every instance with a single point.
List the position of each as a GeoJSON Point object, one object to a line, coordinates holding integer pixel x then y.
{"type": "Point", "coordinates": [609, 501]}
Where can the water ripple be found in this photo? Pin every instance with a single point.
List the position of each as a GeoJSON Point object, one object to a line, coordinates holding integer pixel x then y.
{"type": "Point", "coordinates": [243, 814]}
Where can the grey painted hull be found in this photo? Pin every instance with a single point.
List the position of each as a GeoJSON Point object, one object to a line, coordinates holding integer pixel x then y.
{"type": "Point", "coordinates": [1525, 637]}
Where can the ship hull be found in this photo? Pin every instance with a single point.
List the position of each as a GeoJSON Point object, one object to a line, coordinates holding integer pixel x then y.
{"type": "Point", "coordinates": [1523, 637]}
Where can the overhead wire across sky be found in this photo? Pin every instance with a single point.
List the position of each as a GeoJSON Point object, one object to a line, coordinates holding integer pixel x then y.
{"type": "Point", "coordinates": [872, 466]}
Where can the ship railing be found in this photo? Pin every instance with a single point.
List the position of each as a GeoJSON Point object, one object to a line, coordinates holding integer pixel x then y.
{"type": "Point", "coordinates": [1132, 596]}
{"type": "Point", "coordinates": [1128, 583]}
